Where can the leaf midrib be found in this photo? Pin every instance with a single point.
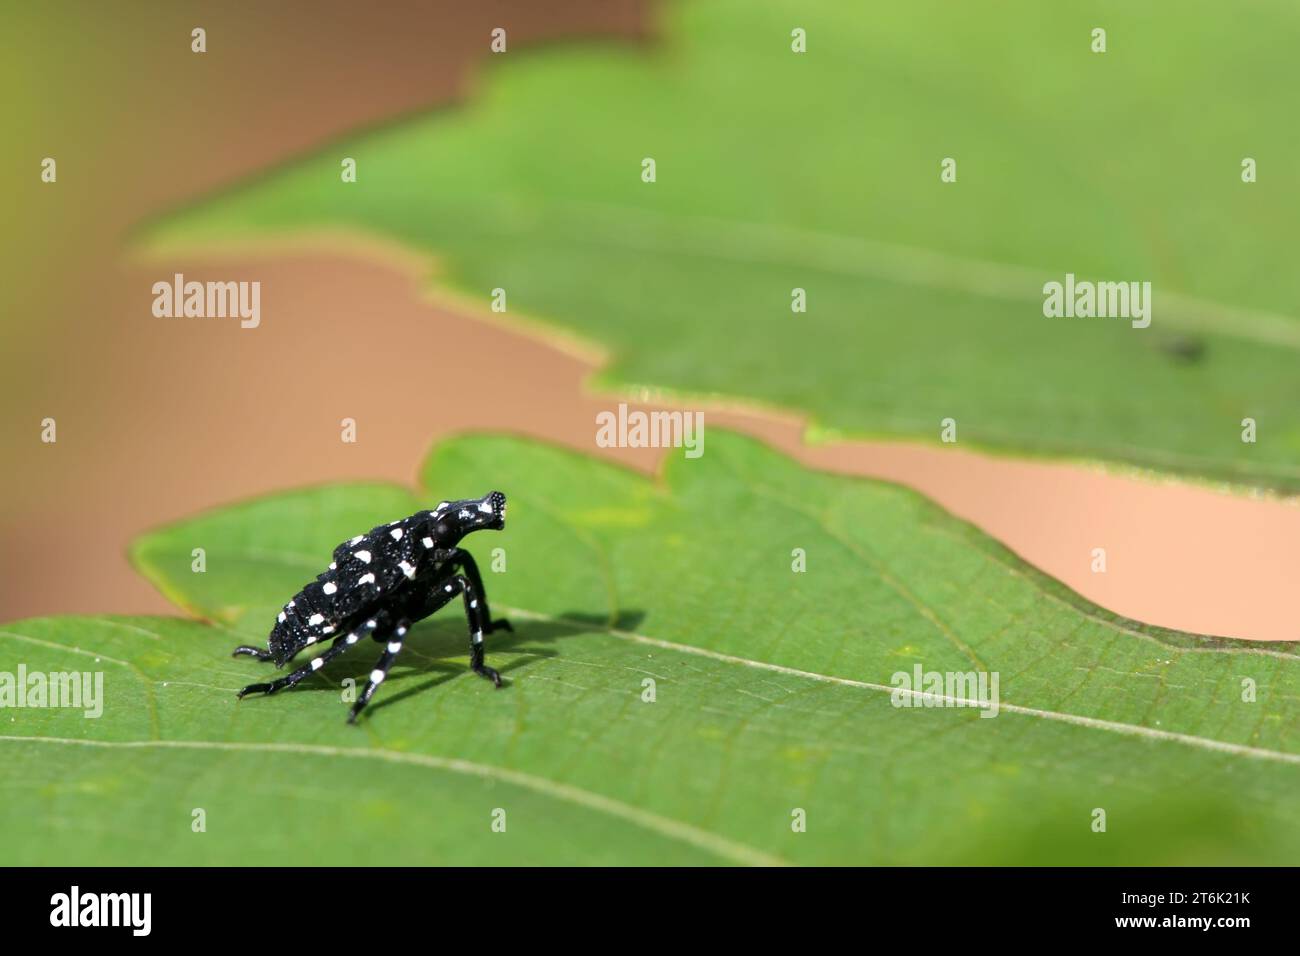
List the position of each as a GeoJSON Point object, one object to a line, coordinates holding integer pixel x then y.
{"type": "Point", "coordinates": [1079, 720]}
{"type": "Point", "coordinates": [860, 256]}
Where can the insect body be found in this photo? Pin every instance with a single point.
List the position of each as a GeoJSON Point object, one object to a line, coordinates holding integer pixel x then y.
{"type": "Point", "coordinates": [378, 585]}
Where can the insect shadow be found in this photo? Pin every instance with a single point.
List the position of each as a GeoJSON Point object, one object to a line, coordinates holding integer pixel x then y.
{"type": "Point", "coordinates": [437, 648]}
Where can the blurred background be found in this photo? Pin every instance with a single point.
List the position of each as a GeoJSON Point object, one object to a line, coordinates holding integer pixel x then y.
{"type": "Point", "coordinates": [157, 420]}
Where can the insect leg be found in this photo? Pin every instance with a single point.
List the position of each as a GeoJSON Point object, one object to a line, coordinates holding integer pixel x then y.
{"type": "Point", "coordinates": [444, 591]}
{"type": "Point", "coordinates": [381, 669]}
{"type": "Point", "coordinates": [340, 645]}
{"type": "Point", "coordinates": [476, 614]}
{"type": "Point", "coordinates": [465, 561]}
{"type": "Point", "coordinates": [261, 653]}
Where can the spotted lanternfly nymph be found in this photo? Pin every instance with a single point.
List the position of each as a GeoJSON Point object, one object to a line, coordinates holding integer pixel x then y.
{"type": "Point", "coordinates": [382, 582]}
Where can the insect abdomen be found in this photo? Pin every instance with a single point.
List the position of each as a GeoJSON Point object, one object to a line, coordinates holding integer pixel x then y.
{"type": "Point", "coordinates": [316, 613]}
{"type": "Point", "coordinates": [365, 569]}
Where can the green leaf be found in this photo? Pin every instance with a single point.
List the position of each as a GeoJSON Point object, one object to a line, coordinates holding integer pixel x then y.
{"type": "Point", "coordinates": [772, 693]}
{"type": "Point", "coordinates": [820, 171]}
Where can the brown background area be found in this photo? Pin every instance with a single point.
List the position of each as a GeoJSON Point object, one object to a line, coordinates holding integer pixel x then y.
{"type": "Point", "coordinates": [160, 418]}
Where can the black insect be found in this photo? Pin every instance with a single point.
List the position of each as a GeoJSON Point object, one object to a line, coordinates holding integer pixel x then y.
{"type": "Point", "coordinates": [382, 582]}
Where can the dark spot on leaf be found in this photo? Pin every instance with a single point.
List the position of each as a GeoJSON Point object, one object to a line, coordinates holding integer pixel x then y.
{"type": "Point", "coordinates": [1182, 348]}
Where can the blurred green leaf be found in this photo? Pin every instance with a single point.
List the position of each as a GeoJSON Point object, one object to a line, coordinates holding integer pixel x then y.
{"type": "Point", "coordinates": [771, 693]}
{"type": "Point", "coordinates": [820, 171]}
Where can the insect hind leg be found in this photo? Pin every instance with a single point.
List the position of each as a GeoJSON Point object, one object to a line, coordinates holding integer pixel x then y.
{"type": "Point", "coordinates": [341, 644]}
{"type": "Point", "coordinates": [316, 663]}
{"type": "Point", "coordinates": [246, 650]}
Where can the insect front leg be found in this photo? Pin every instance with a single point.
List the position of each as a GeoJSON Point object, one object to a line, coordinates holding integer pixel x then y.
{"type": "Point", "coordinates": [261, 653]}
{"type": "Point", "coordinates": [443, 592]}
{"type": "Point", "coordinates": [381, 668]}
{"type": "Point", "coordinates": [476, 614]}
{"type": "Point", "coordinates": [465, 561]}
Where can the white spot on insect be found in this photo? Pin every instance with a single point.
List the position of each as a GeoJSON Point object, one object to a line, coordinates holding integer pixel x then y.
{"type": "Point", "coordinates": [352, 638]}
{"type": "Point", "coordinates": [473, 604]}
{"type": "Point", "coordinates": [394, 646]}
{"type": "Point", "coordinates": [463, 513]}
{"type": "Point", "coordinates": [485, 507]}
{"type": "Point", "coordinates": [327, 629]}
{"type": "Point", "coordinates": [356, 539]}
{"type": "Point", "coordinates": [441, 505]}
{"type": "Point", "coordinates": [329, 587]}
{"type": "Point", "coordinates": [478, 637]}
{"type": "Point", "coordinates": [291, 604]}
{"type": "Point", "coordinates": [317, 663]}
{"type": "Point", "coordinates": [316, 619]}
{"type": "Point", "coordinates": [447, 589]}
{"type": "Point", "coordinates": [427, 542]}
{"type": "Point", "coordinates": [362, 556]}
{"type": "Point", "coordinates": [407, 569]}
{"type": "Point", "coordinates": [397, 534]}
{"type": "Point", "coordinates": [366, 579]}
{"type": "Point", "coordinates": [376, 676]}
{"type": "Point", "coordinates": [281, 617]}
{"type": "Point", "coordinates": [333, 566]}
{"type": "Point", "coordinates": [311, 638]}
